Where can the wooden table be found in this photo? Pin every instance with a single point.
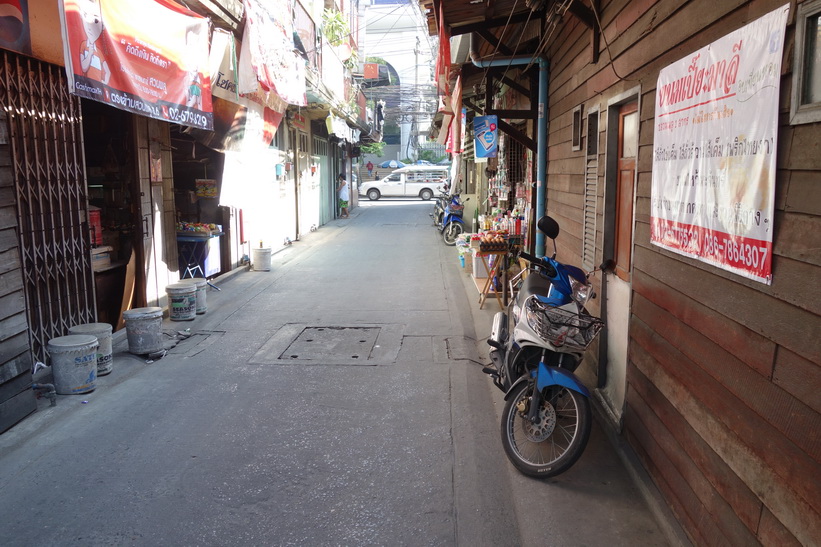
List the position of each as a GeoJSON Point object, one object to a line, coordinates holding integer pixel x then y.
{"type": "Point", "coordinates": [487, 286]}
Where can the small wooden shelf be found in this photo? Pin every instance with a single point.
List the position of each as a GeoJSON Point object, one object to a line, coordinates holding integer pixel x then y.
{"type": "Point", "coordinates": [485, 284]}
{"type": "Point", "coordinates": [480, 283]}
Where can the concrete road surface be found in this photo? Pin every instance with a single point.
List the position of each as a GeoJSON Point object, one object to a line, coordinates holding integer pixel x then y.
{"type": "Point", "coordinates": [337, 399]}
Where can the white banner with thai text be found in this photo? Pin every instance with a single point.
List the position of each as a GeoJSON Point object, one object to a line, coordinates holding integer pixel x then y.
{"type": "Point", "coordinates": [714, 156]}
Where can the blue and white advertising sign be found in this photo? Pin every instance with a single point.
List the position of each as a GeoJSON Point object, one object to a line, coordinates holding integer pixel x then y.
{"type": "Point", "coordinates": [486, 139]}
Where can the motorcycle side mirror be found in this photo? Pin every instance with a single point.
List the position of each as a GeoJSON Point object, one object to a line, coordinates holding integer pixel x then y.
{"type": "Point", "coordinates": [549, 226]}
{"type": "Point", "coordinates": [608, 265]}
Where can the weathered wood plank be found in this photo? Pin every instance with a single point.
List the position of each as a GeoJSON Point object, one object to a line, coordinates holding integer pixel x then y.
{"type": "Point", "coordinates": [745, 504]}
{"type": "Point", "coordinates": [789, 279]}
{"type": "Point", "coordinates": [13, 326]}
{"type": "Point", "coordinates": [10, 282]}
{"type": "Point", "coordinates": [12, 304]}
{"type": "Point", "coordinates": [715, 518]}
{"type": "Point", "coordinates": [796, 330]}
{"type": "Point", "coordinates": [691, 527]}
{"type": "Point", "coordinates": [16, 408]}
{"type": "Point", "coordinates": [805, 148]}
{"type": "Point", "coordinates": [755, 350]}
{"type": "Point", "coordinates": [772, 532]}
{"type": "Point", "coordinates": [791, 417]}
{"type": "Point", "coordinates": [804, 193]}
{"type": "Point", "coordinates": [8, 239]}
{"type": "Point", "coordinates": [8, 217]}
{"type": "Point", "coordinates": [798, 236]}
{"type": "Point", "coordinates": [800, 377]}
{"type": "Point", "coordinates": [15, 366]}
{"type": "Point", "coordinates": [791, 491]}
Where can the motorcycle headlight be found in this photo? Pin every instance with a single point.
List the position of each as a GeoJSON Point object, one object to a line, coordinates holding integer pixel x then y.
{"type": "Point", "coordinates": [582, 292]}
{"type": "Point", "coordinates": [517, 311]}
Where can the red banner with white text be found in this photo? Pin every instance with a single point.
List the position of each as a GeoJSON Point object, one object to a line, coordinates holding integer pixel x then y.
{"type": "Point", "coordinates": [149, 57]}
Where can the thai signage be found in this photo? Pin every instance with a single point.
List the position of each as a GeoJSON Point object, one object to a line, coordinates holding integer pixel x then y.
{"type": "Point", "coordinates": [714, 157]}
{"type": "Point", "coordinates": [149, 57]}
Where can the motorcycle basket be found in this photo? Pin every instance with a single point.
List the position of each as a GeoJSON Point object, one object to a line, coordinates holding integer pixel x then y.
{"type": "Point", "coordinates": [456, 208]}
{"type": "Point", "coordinates": [563, 329]}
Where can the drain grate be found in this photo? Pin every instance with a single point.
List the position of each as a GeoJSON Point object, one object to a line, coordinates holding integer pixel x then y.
{"type": "Point", "coordinates": [328, 343]}
{"type": "Point", "coordinates": [298, 343]}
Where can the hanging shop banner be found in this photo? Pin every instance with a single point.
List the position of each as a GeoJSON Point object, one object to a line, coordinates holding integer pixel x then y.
{"type": "Point", "coordinates": [148, 57]}
{"type": "Point", "coordinates": [714, 157]}
{"type": "Point", "coordinates": [268, 52]}
{"type": "Point", "coordinates": [485, 136]}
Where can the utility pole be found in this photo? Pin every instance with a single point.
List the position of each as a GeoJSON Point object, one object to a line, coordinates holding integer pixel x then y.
{"type": "Point", "coordinates": [414, 126]}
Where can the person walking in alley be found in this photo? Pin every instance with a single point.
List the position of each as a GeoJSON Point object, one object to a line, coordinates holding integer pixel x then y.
{"type": "Point", "coordinates": [344, 195]}
{"type": "Point", "coordinates": [369, 166]}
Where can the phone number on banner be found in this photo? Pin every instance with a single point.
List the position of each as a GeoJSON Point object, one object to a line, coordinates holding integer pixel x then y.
{"type": "Point", "coordinates": [187, 116]}
{"type": "Point", "coordinates": [749, 255]}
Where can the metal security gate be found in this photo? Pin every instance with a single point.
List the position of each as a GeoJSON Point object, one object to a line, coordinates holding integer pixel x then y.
{"type": "Point", "coordinates": [45, 136]}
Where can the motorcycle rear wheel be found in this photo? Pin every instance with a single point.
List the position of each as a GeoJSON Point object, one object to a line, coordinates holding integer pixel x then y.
{"type": "Point", "coordinates": [451, 232]}
{"type": "Point", "coordinates": [553, 444]}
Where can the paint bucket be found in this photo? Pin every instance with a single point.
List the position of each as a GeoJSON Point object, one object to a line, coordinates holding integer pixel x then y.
{"type": "Point", "coordinates": [74, 363]}
{"type": "Point", "coordinates": [182, 301]}
{"type": "Point", "coordinates": [200, 284]}
{"type": "Point", "coordinates": [102, 331]}
{"type": "Point", "coordinates": [143, 327]}
{"type": "Point", "coordinates": [261, 258]}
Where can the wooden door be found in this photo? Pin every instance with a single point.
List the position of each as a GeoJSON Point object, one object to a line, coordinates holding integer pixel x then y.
{"type": "Point", "coordinates": [627, 151]}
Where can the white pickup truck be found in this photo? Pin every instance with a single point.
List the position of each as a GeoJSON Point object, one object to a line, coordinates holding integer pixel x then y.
{"type": "Point", "coordinates": [410, 181]}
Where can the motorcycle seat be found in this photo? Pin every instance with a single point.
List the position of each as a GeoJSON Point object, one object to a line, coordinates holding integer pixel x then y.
{"type": "Point", "coordinates": [535, 284]}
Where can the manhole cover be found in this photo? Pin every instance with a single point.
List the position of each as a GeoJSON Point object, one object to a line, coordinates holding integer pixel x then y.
{"type": "Point", "coordinates": [298, 343]}
{"type": "Point", "coordinates": [329, 343]}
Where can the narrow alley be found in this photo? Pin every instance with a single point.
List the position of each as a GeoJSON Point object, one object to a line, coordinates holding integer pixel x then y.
{"type": "Point", "coordinates": [337, 399]}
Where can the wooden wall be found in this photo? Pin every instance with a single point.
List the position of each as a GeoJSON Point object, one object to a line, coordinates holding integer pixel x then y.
{"type": "Point", "coordinates": [723, 400]}
{"type": "Point", "coordinates": [16, 397]}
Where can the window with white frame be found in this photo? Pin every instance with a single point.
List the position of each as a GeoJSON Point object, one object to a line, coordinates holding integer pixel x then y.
{"type": "Point", "coordinates": [805, 105]}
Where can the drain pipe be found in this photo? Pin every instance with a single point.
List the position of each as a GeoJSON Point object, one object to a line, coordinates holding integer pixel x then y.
{"type": "Point", "coordinates": [541, 131]}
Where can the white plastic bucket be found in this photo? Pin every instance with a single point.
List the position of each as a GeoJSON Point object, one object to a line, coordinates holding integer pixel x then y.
{"type": "Point", "coordinates": [261, 258]}
{"type": "Point", "coordinates": [143, 327]}
{"type": "Point", "coordinates": [102, 331]}
{"type": "Point", "coordinates": [182, 301]}
{"type": "Point", "coordinates": [200, 284]}
{"type": "Point", "coordinates": [74, 363]}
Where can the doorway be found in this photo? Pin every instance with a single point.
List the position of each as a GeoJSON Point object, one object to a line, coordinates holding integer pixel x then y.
{"type": "Point", "coordinates": [622, 151]}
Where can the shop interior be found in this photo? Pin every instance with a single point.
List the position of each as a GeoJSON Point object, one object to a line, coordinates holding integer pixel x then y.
{"type": "Point", "coordinates": [113, 209]}
{"type": "Point", "coordinates": [200, 219]}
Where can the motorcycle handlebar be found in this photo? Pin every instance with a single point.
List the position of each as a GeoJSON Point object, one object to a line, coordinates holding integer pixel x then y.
{"type": "Point", "coordinates": [541, 263]}
{"type": "Point", "coordinates": [529, 257]}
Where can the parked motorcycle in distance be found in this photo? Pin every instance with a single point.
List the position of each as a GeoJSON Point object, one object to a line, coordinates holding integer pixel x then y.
{"type": "Point", "coordinates": [440, 204]}
{"type": "Point", "coordinates": [536, 345]}
{"type": "Point", "coordinates": [452, 222]}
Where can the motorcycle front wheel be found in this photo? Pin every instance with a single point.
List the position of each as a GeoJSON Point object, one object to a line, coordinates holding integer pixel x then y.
{"type": "Point", "coordinates": [451, 232]}
{"type": "Point", "coordinates": [557, 439]}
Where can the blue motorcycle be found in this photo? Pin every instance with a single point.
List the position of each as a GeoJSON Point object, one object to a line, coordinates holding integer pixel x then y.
{"type": "Point", "coordinates": [536, 345]}
{"type": "Point", "coordinates": [452, 223]}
